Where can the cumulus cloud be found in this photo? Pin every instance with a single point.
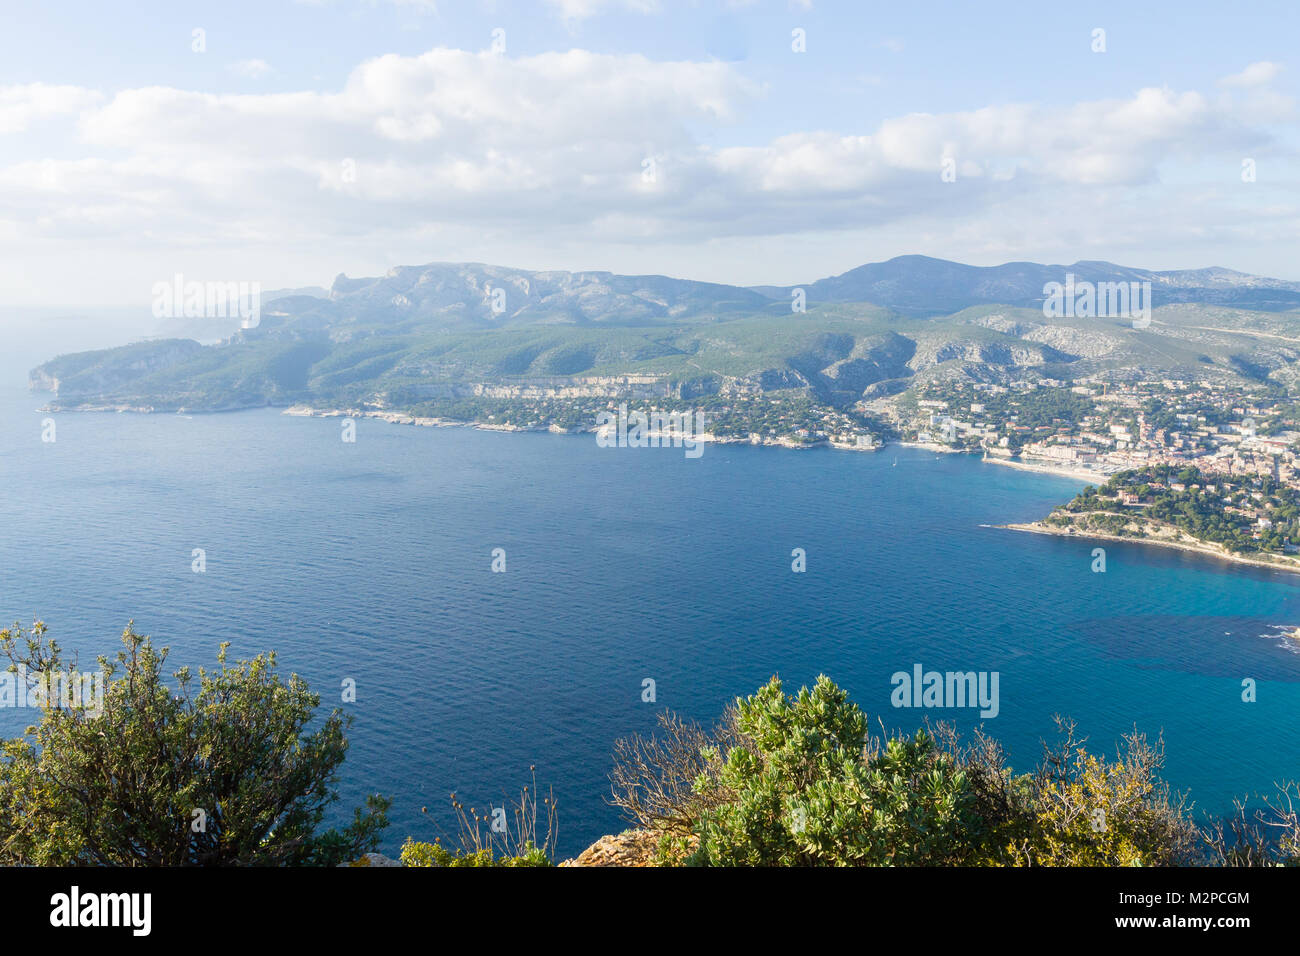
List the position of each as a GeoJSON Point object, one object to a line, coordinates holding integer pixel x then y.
{"type": "Point", "coordinates": [1257, 74]}
{"type": "Point", "coordinates": [20, 106]}
{"type": "Point", "coordinates": [1097, 143]}
{"type": "Point", "coordinates": [610, 148]}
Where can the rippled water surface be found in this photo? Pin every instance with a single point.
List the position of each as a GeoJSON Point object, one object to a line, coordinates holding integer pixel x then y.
{"type": "Point", "coordinates": [372, 561]}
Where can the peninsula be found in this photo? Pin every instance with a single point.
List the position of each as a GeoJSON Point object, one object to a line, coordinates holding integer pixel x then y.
{"type": "Point", "coordinates": [1247, 520]}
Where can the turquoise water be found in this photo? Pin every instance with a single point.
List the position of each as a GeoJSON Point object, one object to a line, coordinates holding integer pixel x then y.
{"type": "Point", "coordinates": [372, 561]}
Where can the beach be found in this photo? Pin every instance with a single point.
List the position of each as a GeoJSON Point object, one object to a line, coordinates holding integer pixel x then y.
{"type": "Point", "coordinates": [1183, 543]}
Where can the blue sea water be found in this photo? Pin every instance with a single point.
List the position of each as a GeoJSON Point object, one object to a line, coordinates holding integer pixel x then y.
{"type": "Point", "coordinates": [372, 561]}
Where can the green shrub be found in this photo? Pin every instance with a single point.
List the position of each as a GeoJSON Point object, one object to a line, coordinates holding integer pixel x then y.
{"type": "Point", "coordinates": [435, 854]}
{"type": "Point", "coordinates": [215, 772]}
{"type": "Point", "coordinates": [807, 792]}
{"type": "Point", "coordinates": [800, 782]}
{"type": "Point", "coordinates": [1091, 812]}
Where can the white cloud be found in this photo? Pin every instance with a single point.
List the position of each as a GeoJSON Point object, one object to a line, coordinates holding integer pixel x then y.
{"type": "Point", "coordinates": [494, 152]}
{"type": "Point", "coordinates": [251, 69]}
{"type": "Point", "coordinates": [20, 106]}
{"type": "Point", "coordinates": [1257, 74]}
{"type": "Point", "coordinates": [1099, 142]}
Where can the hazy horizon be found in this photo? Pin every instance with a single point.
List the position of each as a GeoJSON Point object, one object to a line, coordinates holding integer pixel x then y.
{"type": "Point", "coordinates": [144, 303]}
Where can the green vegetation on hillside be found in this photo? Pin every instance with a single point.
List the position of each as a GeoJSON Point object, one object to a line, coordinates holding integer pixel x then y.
{"type": "Point", "coordinates": [1245, 514]}
{"type": "Point", "coordinates": [364, 353]}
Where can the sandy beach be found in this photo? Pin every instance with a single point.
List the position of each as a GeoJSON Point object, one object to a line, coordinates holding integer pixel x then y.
{"type": "Point", "coordinates": [1277, 563]}
{"type": "Point", "coordinates": [1087, 475]}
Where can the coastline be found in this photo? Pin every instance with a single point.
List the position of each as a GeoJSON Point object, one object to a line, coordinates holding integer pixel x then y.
{"type": "Point", "coordinates": [934, 447]}
{"type": "Point", "coordinates": [1088, 476]}
{"type": "Point", "coordinates": [401, 418]}
{"type": "Point", "coordinates": [1044, 468]}
{"type": "Point", "coordinates": [1183, 544]}
{"type": "Point", "coordinates": [1080, 474]}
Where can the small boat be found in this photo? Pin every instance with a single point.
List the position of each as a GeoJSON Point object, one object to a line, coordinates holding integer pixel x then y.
{"type": "Point", "coordinates": [895, 464]}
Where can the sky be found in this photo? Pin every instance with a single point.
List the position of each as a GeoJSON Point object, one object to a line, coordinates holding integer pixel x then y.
{"type": "Point", "coordinates": [761, 142]}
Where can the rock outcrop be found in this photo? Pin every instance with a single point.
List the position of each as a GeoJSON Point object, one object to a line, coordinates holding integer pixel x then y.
{"type": "Point", "coordinates": [373, 859]}
{"type": "Point", "coordinates": [629, 848]}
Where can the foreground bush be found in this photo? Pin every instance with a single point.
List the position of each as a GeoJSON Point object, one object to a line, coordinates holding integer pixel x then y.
{"type": "Point", "coordinates": [215, 772]}
{"type": "Point", "coordinates": [435, 854]}
{"type": "Point", "coordinates": [801, 781]}
{"type": "Point", "coordinates": [802, 793]}
{"type": "Point", "coordinates": [1266, 836]}
{"type": "Point", "coordinates": [1086, 811]}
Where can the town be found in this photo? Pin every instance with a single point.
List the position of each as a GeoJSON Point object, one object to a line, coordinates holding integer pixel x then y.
{"type": "Point", "coordinates": [1183, 464]}
{"type": "Point", "coordinates": [1103, 428]}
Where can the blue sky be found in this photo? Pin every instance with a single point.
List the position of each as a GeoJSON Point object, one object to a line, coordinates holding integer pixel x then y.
{"type": "Point", "coordinates": [308, 139]}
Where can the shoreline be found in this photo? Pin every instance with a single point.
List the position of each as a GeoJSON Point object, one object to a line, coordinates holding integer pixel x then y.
{"type": "Point", "coordinates": [1080, 474]}
{"type": "Point", "coordinates": [402, 418]}
{"type": "Point", "coordinates": [1044, 468]}
{"type": "Point", "coordinates": [1203, 549]}
{"type": "Point", "coordinates": [1087, 476]}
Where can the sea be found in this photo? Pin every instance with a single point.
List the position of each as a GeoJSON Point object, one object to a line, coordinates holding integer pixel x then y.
{"type": "Point", "coordinates": [627, 582]}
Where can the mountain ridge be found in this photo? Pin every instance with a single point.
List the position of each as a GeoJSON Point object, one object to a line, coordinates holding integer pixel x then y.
{"type": "Point", "coordinates": [911, 284]}
{"type": "Point", "coordinates": [923, 285]}
{"type": "Point", "coordinates": [452, 331]}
